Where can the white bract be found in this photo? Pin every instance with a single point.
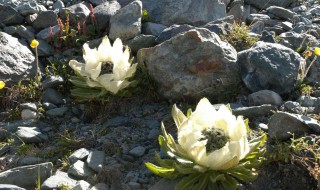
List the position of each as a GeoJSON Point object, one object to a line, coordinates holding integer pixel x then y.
{"type": "Point", "coordinates": [192, 140]}
{"type": "Point", "coordinates": [95, 59]}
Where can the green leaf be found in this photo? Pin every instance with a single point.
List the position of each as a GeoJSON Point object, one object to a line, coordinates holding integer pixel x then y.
{"type": "Point", "coordinates": [229, 183]}
{"type": "Point", "coordinates": [203, 182]}
{"type": "Point", "coordinates": [178, 116]}
{"type": "Point", "coordinates": [189, 112]}
{"type": "Point", "coordinates": [187, 182]}
{"type": "Point", "coordinates": [184, 169]}
{"type": "Point", "coordinates": [161, 171]}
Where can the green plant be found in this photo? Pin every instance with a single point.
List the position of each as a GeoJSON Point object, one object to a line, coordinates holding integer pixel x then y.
{"type": "Point", "coordinates": [145, 16]}
{"type": "Point", "coordinates": [238, 36]}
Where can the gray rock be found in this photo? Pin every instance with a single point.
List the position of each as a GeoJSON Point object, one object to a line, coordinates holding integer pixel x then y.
{"type": "Point", "coordinates": [150, 28]}
{"type": "Point", "coordinates": [13, 125]}
{"type": "Point", "coordinates": [44, 49]}
{"type": "Point", "coordinates": [270, 66]}
{"type": "Point", "coordinates": [257, 27]}
{"type": "Point", "coordinates": [307, 101]}
{"type": "Point", "coordinates": [30, 106]}
{"type": "Point", "coordinates": [11, 30]}
{"type": "Point", "coordinates": [191, 12]}
{"type": "Point", "coordinates": [30, 7]}
{"type": "Point", "coordinates": [254, 111]}
{"type": "Point", "coordinates": [48, 105]}
{"type": "Point", "coordinates": [192, 65]}
{"type": "Point", "coordinates": [26, 176]}
{"type": "Point", "coordinates": [45, 19]}
{"type": "Point", "coordinates": [286, 25]}
{"type": "Point", "coordinates": [134, 185]}
{"type": "Point", "coordinates": [52, 82]}
{"type": "Point", "coordinates": [172, 31]}
{"type": "Point", "coordinates": [220, 28]}
{"type": "Point", "coordinates": [80, 170]}
{"type": "Point", "coordinates": [100, 186]}
{"type": "Point", "coordinates": [95, 160]}
{"type": "Point", "coordinates": [237, 9]}
{"type": "Point", "coordinates": [82, 185]}
{"type": "Point", "coordinates": [262, 4]}
{"type": "Point", "coordinates": [141, 41]}
{"type": "Point", "coordinates": [258, 17]}
{"type": "Point", "coordinates": [116, 121]}
{"type": "Point", "coordinates": [282, 125]}
{"type": "Point", "coordinates": [77, 13]}
{"type": "Point", "coordinates": [45, 33]}
{"type": "Point", "coordinates": [28, 114]}
{"type": "Point", "coordinates": [268, 36]}
{"type": "Point", "coordinates": [103, 12]}
{"type": "Point", "coordinates": [10, 187]}
{"type": "Point", "coordinates": [53, 96]}
{"type": "Point", "coordinates": [264, 97]}
{"type": "Point", "coordinates": [164, 184]}
{"type": "Point", "coordinates": [126, 23]}
{"type": "Point", "coordinates": [9, 16]}
{"type": "Point", "coordinates": [30, 160]}
{"type": "Point", "coordinates": [57, 112]}
{"type": "Point", "coordinates": [137, 151]}
{"type": "Point", "coordinates": [31, 135]}
{"type": "Point", "coordinates": [24, 32]}
{"type": "Point", "coordinates": [98, 2]}
{"type": "Point", "coordinates": [31, 18]}
{"type": "Point", "coordinates": [58, 179]}
{"type": "Point", "coordinates": [281, 12]}
{"type": "Point", "coordinates": [15, 65]}
{"type": "Point", "coordinates": [4, 148]}
{"type": "Point", "coordinates": [79, 154]}
{"type": "Point", "coordinates": [58, 5]}
{"type": "Point", "coordinates": [298, 42]}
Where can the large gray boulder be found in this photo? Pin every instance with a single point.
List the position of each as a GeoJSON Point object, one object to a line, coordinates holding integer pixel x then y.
{"type": "Point", "coordinates": [15, 65]}
{"type": "Point", "coordinates": [103, 12]}
{"type": "Point", "coordinates": [26, 176]}
{"type": "Point", "coordinates": [269, 66]}
{"type": "Point", "coordinates": [193, 65]}
{"type": "Point", "coordinates": [126, 23]}
{"type": "Point", "coordinates": [10, 16]}
{"type": "Point", "coordinates": [263, 4]}
{"type": "Point", "coordinates": [192, 12]}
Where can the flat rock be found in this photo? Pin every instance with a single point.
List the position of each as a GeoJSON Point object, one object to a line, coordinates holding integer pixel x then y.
{"type": "Point", "coordinates": [164, 184]}
{"type": "Point", "coordinates": [10, 187]}
{"type": "Point", "coordinates": [82, 185]}
{"type": "Point", "coordinates": [262, 4]}
{"type": "Point", "coordinates": [96, 160]}
{"type": "Point", "coordinates": [79, 154]}
{"type": "Point", "coordinates": [9, 15]}
{"type": "Point", "coordinates": [31, 135]}
{"type": "Point", "coordinates": [264, 97]}
{"type": "Point", "coordinates": [253, 112]}
{"type": "Point", "coordinates": [138, 151]}
{"type": "Point", "coordinates": [45, 19]}
{"type": "Point", "coordinates": [58, 179]}
{"type": "Point", "coordinates": [26, 176]}
{"type": "Point", "coordinates": [80, 170]}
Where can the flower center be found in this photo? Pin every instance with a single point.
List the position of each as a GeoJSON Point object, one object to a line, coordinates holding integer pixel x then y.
{"type": "Point", "coordinates": [106, 67]}
{"type": "Point", "coordinates": [217, 139]}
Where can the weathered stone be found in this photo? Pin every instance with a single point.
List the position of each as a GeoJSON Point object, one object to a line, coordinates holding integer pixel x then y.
{"type": "Point", "coordinates": [237, 9]}
{"type": "Point", "coordinates": [191, 12]}
{"type": "Point", "coordinates": [45, 33]}
{"type": "Point", "coordinates": [192, 65]}
{"type": "Point", "coordinates": [57, 112]}
{"type": "Point", "coordinates": [126, 23]}
{"type": "Point", "coordinates": [79, 154]}
{"type": "Point", "coordinates": [103, 12]}
{"type": "Point", "coordinates": [24, 32]}
{"type": "Point", "coordinates": [262, 4]}
{"type": "Point", "coordinates": [30, 7]}
{"type": "Point", "coordinates": [26, 176]}
{"type": "Point", "coordinates": [95, 160]}
{"type": "Point", "coordinates": [150, 28]}
{"type": "Point", "coordinates": [281, 12]}
{"type": "Point", "coordinates": [10, 16]}
{"type": "Point", "coordinates": [254, 111]}
{"type": "Point", "coordinates": [77, 13]}
{"type": "Point", "coordinates": [45, 19]}
{"type": "Point", "coordinates": [44, 49]}
{"type": "Point", "coordinates": [258, 17]}
{"type": "Point", "coordinates": [58, 5]}
{"type": "Point", "coordinates": [10, 187]}
{"type": "Point", "coordinates": [270, 66]}
{"type": "Point", "coordinates": [58, 179]}
{"type": "Point", "coordinates": [52, 82]}
{"type": "Point", "coordinates": [164, 184]}
{"type": "Point", "coordinates": [307, 101]}
{"type": "Point", "coordinates": [297, 41]}
{"type": "Point", "coordinates": [53, 96]}
{"type": "Point", "coordinates": [264, 97]}
{"type": "Point", "coordinates": [100, 186]}
{"type": "Point", "coordinates": [31, 135]}
{"type": "Point", "coordinates": [15, 65]}
{"type": "Point", "coordinates": [137, 151]}
{"type": "Point", "coordinates": [172, 31]}
{"type": "Point", "coordinates": [80, 170]}
{"type": "Point", "coordinates": [30, 160]}
{"type": "Point", "coordinates": [141, 41]}
{"type": "Point", "coordinates": [82, 185]}
{"type": "Point", "coordinates": [28, 114]}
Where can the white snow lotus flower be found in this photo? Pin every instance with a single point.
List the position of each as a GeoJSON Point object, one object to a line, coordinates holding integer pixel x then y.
{"type": "Point", "coordinates": [107, 67]}
{"type": "Point", "coordinates": [212, 152]}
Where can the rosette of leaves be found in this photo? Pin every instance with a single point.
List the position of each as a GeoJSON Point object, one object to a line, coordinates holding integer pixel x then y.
{"type": "Point", "coordinates": [212, 152]}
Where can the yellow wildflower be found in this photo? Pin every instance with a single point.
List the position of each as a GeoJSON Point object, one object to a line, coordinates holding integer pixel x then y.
{"type": "Point", "coordinates": [34, 43]}
{"type": "Point", "coordinates": [317, 51]}
{"type": "Point", "coordinates": [2, 84]}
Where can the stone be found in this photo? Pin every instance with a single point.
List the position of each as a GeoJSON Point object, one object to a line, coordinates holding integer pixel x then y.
{"type": "Point", "coordinates": [48, 106]}
{"type": "Point", "coordinates": [28, 114]}
{"type": "Point", "coordinates": [29, 105]}
{"type": "Point", "coordinates": [30, 160]}
{"type": "Point", "coordinates": [26, 176]}
{"type": "Point", "coordinates": [82, 185]}
{"type": "Point", "coordinates": [126, 23]}
{"type": "Point", "coordinates": [53, 96]}
{"type": "Point", "coordinates": [134, 185]}
{"type": "Point", "coordinates": [298, 41]}
{"type": "Point", "coordinates": [164, 184]}
{"type": "Point", "coordinates": [270, 66]}
{"type": "Point", "coordinates": [80, 170]}
{"type": "Point", "coordinates": [31, 135]}
{"type": "Point", "coordinates": [293, 107]}
{"type": "Point", "coordinates": [24, 32]}
{"type": "Point", "coordinates": [10, 187]}
{"type": "Point", "coordinates": [237, 10]}
{"type": "Point", "coordinates": [192, 65]}
{"type": "Point", "coordinates": [15, 65]}
{"type": "Point", "coordinates": [44, 34]}
{"type": "Point", "coordinates": [79, 154]}
{"type": "Point", "coordinates": [11, 30]}
{"type": "Point", "coordinates": [45, 19]}
{"type": "Point", "coordinates": [141, 41]}
{"type": "Point", "coordinates": [4, 148]}
{"type": "Point", "coordinates": [264, 97]}
{"type": "Point", "coordinates": [44, 49]}
{"type": "Point", "coordinates": [150, 28]}
{"type": "Point", "coordinates": [59, 178]}
{"type": "Point", "coordinates": [103, 12]}
{"type": "Point", "coordinates": [281, 12]}
{"type": "Point", "coordinates": [262, 4]}
{"type": "Point", "coordinates": [219, 28]}
{"type": "Point", "coordinates": [96, 160]}
{"type": "Point", "coordinates": [137, 151]}
{"type": "Point", "coordinates": [253, 112]}
{"type": "Point", "coordinates": [257, 27]}
{"type": "Point", "coordinates": [184, 11]}
{"type": "Point", "coordinates": [172, 31]}
{"type": "Point", "coordinates": [258, 17]}
{"type": "Point", "coordinates": [77, 13]}
{"type": "Point", "coordinates": [100, 186]}
{"type": "Point", "coordinates": [30, 7]}
{"type": "Point", "coordinates": [268, 36]}
{"type": "Point", "coordinates": [307, 101]}
{"type": "Point", "coordinates": [52, 82]}
{"type": "Point", "coordinates": [282, 125]}
{"type": "Point", "coordinates": [58, 5]}
{"type": "Point", "coordinates": [116, 121]}
{"type": "Point", "coordinates": [57, 112]}
{"type": "Point", "coordinates": [9, 16]}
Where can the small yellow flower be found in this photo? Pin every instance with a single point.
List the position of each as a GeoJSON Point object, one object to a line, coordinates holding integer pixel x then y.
{"type": "Point", "coordinates": [317, 51]}
{"type": "Point", "coordinates": [2, 84]}
{"type": "Point", "coordinates": [34, 43]}
{"type": "Point", "coordinates": [307, 53]}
